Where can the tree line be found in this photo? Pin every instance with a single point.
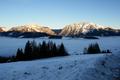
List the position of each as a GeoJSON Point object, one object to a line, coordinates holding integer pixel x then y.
{"type": "Point", "coordinates": [32, 51]}
{"type": "Point", "coordinates": [95, 49]}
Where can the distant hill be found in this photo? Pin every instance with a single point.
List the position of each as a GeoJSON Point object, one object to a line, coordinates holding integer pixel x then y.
{"type": "Point", "coordinates": [23, 34]}
{"type": "Point", "coordinates": [57, 31]}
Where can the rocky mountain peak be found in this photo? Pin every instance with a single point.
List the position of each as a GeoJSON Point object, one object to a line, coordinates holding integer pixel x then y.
{"type": "Point", "coordinates": [32, 28]}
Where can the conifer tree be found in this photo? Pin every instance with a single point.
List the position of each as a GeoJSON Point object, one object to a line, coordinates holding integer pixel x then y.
{"type": "Point", "coordinates": [43, 50]}
{"type": "Point", "coordinates": [28, 50]}
{"type": "Point", "coordinates": [35, 50]}
{"type": "Point", "coordinates": [97, 48]}
{"type": "Point", "coordinates": [62, 51]}
{"type": "Point", "coordinates": [20, 54]}
{"type": "Point", "coordinates": [54, 50]}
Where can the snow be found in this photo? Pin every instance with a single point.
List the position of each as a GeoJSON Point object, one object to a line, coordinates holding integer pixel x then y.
{"type": "Point", "coordinates": [32, 28]}
{"type": "Point", "coordinates": [82, 27]}
{"type": "Point", "coordinates": [64, 68]}
{"type": "Point", "coordinates": [73, 67]}
{"type": "Point", "coordinates": [4, 28]}
{"type": "Point", "coordinates": [74, 46]}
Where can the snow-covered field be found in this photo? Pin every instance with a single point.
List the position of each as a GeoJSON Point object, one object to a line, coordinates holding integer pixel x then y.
{"type": "Point", "coordinates": [8, 46]}
{"type": "Point", "coordinates": [73, 67]}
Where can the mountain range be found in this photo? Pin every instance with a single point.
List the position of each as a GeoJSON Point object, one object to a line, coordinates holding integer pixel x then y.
{"type": "Point", "coordinates": [88, 29]}
{"type": "Point", "coordinates": [74, 30]}
{"type": "Point", "coordinates": [27, 31]}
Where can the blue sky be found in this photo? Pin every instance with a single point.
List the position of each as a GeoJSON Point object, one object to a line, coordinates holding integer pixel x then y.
{"type": "Point", "coordinates": [58, 13]}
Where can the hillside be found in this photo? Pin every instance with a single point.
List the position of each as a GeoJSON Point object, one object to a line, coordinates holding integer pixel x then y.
{"type": "Point", "coordinates": [80, 67]}
{"type": "Point", "coordinates": [57, 31]}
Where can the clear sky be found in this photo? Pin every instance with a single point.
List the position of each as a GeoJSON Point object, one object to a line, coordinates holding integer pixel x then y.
{"type": "Point", "coordinates": [58, 13]}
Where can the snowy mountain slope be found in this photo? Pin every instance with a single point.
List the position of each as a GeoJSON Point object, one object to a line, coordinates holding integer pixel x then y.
{"type": "Point", "coordinates": [80, 67]}
{"type": "Point", "coordinates": [3, 29]}
{"type": "Point", "coordinates": [66, 68]}
{"type": "Point", "coordinates": [32, 28]}
{"type": "Point", "coordinates": [84, 28]}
